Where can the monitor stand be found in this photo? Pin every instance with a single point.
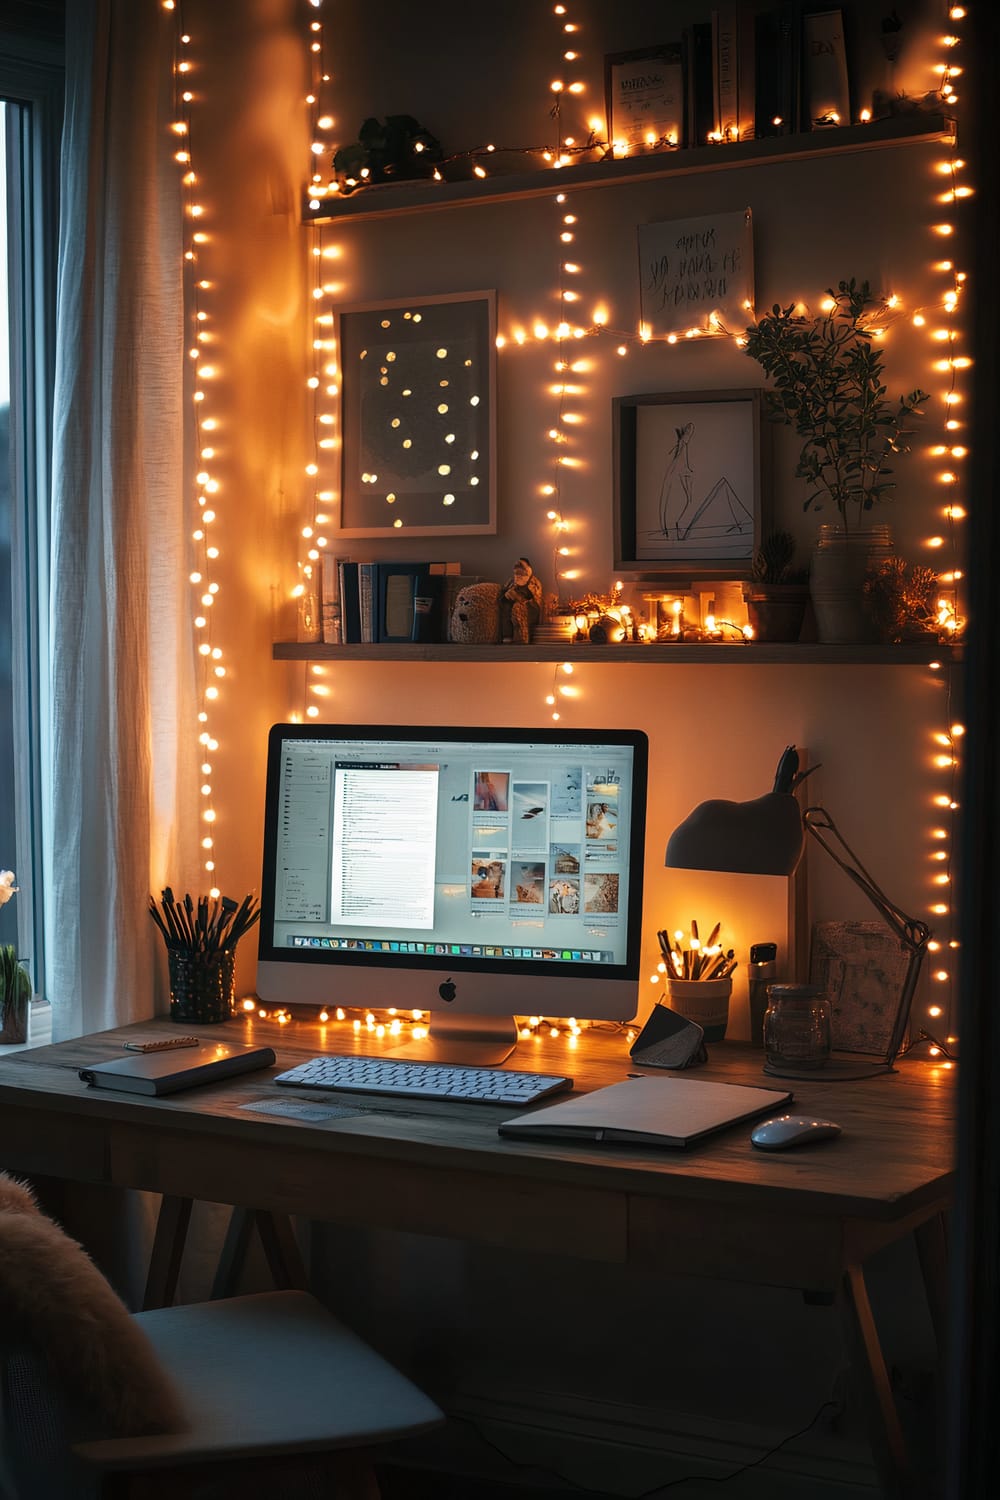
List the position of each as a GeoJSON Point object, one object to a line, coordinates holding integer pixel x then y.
{"type": "Point", "coordinates": [459, 1038]}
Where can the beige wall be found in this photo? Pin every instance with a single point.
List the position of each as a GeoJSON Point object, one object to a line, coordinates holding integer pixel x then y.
{"type": "Point", "coordinates": [715, 731]}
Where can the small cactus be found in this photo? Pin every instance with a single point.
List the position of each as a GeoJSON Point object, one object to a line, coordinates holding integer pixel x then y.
{"type": "Point", "coordinates": [772, 561]}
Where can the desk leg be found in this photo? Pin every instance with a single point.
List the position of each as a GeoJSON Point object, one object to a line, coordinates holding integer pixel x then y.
{"type": "Point", "coordinates": [167, 1253]}
{"type": "Point", "coordinates": [882, 1418]}
{"type": "Point", "coordinates": [932, 1253]}
{"type": "Point", "coordinates": [233, 1254]}
{"type": "Point", "coordinates": [281, 1250]}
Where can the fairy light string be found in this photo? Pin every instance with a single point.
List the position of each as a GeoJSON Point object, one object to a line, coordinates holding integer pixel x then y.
{"type": "Point", "coordinates": [945, 334]}
{"type": "Point", "coordinates": [323, 380]}
{"type": "Point", "coordinates": [203, 370]}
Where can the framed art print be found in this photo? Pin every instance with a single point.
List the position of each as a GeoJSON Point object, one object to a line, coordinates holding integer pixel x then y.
{"type": "Point", "coordinates": [862, 967]}
{"type": "Point", "coordinates": [696, 274]}
{"type": "Point", "coordinates": [418, 413]}
{"type": "Point", "coordinates": [645, 98]}
{"type": "Point", "coordinates": [687, 483]}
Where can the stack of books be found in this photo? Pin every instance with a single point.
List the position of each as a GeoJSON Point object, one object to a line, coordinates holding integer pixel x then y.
{"type": "Point", "coordinates": [765, 67]}
{"type": "Point", "coordinates": [381, 602]}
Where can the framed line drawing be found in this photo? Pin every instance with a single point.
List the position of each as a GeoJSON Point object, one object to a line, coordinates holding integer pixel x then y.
{"type": "Point", "coordinates": [418, 416]}
{"type": "Point", "coordinates": [861, 966]}
{"type": "Point", "coordinates": [687, 483]}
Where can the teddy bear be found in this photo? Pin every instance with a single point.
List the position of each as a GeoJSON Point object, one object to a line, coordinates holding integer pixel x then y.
{"type": "Point", "coordinates": [475, 616]}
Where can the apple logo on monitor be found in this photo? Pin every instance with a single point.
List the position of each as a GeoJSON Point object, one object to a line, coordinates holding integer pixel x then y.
{"type": "Point", "coordinates": [448, 990]}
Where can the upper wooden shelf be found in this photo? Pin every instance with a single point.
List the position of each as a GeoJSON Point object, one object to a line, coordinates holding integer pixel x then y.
{"type": "Point", "coordinates": [384, 199]}
{"type": "Point", "coordinates": [746, 654]}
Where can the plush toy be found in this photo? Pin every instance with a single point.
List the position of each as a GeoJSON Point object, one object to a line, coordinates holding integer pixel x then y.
{"type": "Point", "coordinates": [520, 604]}
{"type": "Point", "coordinates": [475, 617]}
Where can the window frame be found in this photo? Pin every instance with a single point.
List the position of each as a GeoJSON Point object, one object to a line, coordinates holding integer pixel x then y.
{"type": "Point", "coordinates": [32, 83]}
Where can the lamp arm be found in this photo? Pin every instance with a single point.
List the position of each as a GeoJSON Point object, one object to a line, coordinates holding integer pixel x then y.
{"type": "Point", "coordinates": [912, 933]}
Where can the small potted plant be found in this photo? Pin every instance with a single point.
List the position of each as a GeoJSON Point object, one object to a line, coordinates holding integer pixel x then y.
{"type": "Point", "coordinates": [907, 602]}
{"type": "Point", "coordinates": [15, 982]}
{"type": "Point", "coordinates": [828, 383]}
{"type": "Point", "coordinates": [778, 592]}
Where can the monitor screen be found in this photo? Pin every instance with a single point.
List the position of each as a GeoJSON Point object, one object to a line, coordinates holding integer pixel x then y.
{"type": "Point", "coordinates": [482, 872]}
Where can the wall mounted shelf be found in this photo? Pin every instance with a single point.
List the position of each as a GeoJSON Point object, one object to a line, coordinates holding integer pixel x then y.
{"type": "Point", "coordinates": [421, 196]}
{"type": "Point", "coordinates": [753, 654]}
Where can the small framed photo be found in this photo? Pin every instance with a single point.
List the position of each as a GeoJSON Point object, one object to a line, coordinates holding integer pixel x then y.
{"type": "Point", "coordinates": [418, 417]}
{"type": "Point", "coordinates": [687, 483]}
{"type": "Point", "coordinates": [861, 966]}
{"type": "Point", "coordinates": [644, 92]}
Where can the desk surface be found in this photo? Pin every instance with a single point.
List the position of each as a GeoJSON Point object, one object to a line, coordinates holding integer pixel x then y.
{"type": "Point", "coordinates": [721, 1207]}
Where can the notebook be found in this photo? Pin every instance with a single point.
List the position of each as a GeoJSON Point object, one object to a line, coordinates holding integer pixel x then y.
{"type": "Point", "coordinates": [672, 1112]}
{"type": "Point", "coordinates": [167, 1072]}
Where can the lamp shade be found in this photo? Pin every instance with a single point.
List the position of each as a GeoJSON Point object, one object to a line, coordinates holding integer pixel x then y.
{"type": "Point", "coordinates": [761, 837]}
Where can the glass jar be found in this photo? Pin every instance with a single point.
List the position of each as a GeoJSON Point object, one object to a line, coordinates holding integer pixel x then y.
{"type": "Point", "coordinates": [797, 1026]}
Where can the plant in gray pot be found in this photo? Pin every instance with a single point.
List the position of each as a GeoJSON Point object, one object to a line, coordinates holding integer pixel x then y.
{"type": "Point", "coordinates": [828, 384]}
{"type": "Point", "coordinates": [778, 592]}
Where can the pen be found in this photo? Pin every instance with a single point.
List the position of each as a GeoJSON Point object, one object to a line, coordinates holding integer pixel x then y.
{"type": "Point", "coordinates": [168, 1045]}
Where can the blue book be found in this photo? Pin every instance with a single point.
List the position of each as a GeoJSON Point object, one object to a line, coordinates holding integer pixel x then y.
{"type": "Point", "coordinates": [409, 600]}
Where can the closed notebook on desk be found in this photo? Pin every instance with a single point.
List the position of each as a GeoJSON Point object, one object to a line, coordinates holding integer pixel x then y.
{"type": "Point", "coordinates": [168, 1072]}
{"type": "Point", "coordinates": [672, 1112]}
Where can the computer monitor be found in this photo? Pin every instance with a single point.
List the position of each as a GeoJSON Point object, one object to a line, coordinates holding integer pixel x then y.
{"type": "Point", "coordinates": [474, 874]}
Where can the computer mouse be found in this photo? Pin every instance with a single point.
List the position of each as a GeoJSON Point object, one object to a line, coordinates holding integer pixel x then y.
{"type": "Point", "coordinates": [785, 1131]}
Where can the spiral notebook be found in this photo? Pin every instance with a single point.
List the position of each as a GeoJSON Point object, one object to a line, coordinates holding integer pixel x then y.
{"type": "Point", "coordinates": [672, 1112]}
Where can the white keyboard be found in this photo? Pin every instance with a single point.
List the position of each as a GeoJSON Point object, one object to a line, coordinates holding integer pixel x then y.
{"type": "Point", "coordinates": [421, 1080]}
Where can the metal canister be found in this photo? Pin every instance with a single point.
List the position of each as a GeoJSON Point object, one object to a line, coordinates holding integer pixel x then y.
{"type": "Point", "coordinates": [763, 966]}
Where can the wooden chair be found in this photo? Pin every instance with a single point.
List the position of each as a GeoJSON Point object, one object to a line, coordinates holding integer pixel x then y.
{"type": "Point", "coordinates": [265, 1395]}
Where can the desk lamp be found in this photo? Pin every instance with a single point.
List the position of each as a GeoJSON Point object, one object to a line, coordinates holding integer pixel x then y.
{"type": "Point", "coordinates": [766, 836]}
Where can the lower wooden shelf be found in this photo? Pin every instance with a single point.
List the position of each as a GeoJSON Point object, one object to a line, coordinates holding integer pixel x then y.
{"type": "Point", "coordinates": [753, 653]}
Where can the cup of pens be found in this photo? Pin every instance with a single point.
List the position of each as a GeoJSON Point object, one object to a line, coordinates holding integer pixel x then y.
{"type": "Point", "coordinates": [201, 939]}
{"type": "Point", "coordinates": [698, 978]}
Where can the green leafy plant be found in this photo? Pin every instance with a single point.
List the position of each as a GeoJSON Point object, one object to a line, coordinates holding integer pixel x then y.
{"type": "Point", "coordinates": [15, 981]}
{"type": "Point", "coordinates": [392, 150]}
{"type": "Point", "coordinates": [828, 384]}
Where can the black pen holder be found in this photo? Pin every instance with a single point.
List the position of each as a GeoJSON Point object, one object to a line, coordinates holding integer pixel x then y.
{"type": "Point", "coordinates": [202, 985]}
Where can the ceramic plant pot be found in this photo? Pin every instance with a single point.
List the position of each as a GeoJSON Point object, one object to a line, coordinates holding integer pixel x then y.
{"type": "Point", "coordinates": [841, 562]}
{"type": "Point", "coordinates": [776, 610]}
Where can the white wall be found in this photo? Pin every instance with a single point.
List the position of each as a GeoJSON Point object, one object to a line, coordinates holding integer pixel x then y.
{"type": "Point", "coordinates": [714, 731]}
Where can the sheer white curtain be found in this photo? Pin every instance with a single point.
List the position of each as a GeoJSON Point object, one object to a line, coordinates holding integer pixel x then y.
{"type": "Point", "coordinates": [120, 786]}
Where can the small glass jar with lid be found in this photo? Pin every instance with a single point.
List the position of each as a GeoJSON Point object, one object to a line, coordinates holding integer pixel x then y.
{"type": "Point", "coordinates": [797, 1026]}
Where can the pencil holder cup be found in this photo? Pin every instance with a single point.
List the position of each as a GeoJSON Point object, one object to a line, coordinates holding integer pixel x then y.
{"type": "Point", "coordinates": [202, 985]}
{"type": "Point", "coordinates": [705, 1001]}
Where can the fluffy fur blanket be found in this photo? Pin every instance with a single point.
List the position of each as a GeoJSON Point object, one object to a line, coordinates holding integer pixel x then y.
{"type": "Point", "coordinates": [54, 1300]}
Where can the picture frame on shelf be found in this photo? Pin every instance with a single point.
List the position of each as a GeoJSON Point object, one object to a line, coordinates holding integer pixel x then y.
{"type": "Point", "coordinates": [418, 417]}
{"type": "Point", "coordinates": [687, 490]}
{"type": "Point", "coordinates": [861, 965]}
{"type": "Point", "coordinates": [696, 273]}
{"type": "Point", "coordinates": [644, 98]}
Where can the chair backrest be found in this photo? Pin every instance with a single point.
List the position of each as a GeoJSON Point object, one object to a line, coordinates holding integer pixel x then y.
{"type": "Point", "coordinates": [35, 1458]}
{"type": "Point", "coordinates": [72, 1359]}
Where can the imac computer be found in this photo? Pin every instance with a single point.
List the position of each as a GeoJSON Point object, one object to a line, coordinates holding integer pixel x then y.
{"type": "Point", "coordinates": [473, 874]}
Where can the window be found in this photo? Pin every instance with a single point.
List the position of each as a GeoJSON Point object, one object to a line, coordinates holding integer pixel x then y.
{"type": "Point", "coordinates": [31, 86]}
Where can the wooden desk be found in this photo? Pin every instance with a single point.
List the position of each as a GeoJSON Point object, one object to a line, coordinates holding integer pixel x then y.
{"type": "Point", "coordinates": [806, 1219]}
